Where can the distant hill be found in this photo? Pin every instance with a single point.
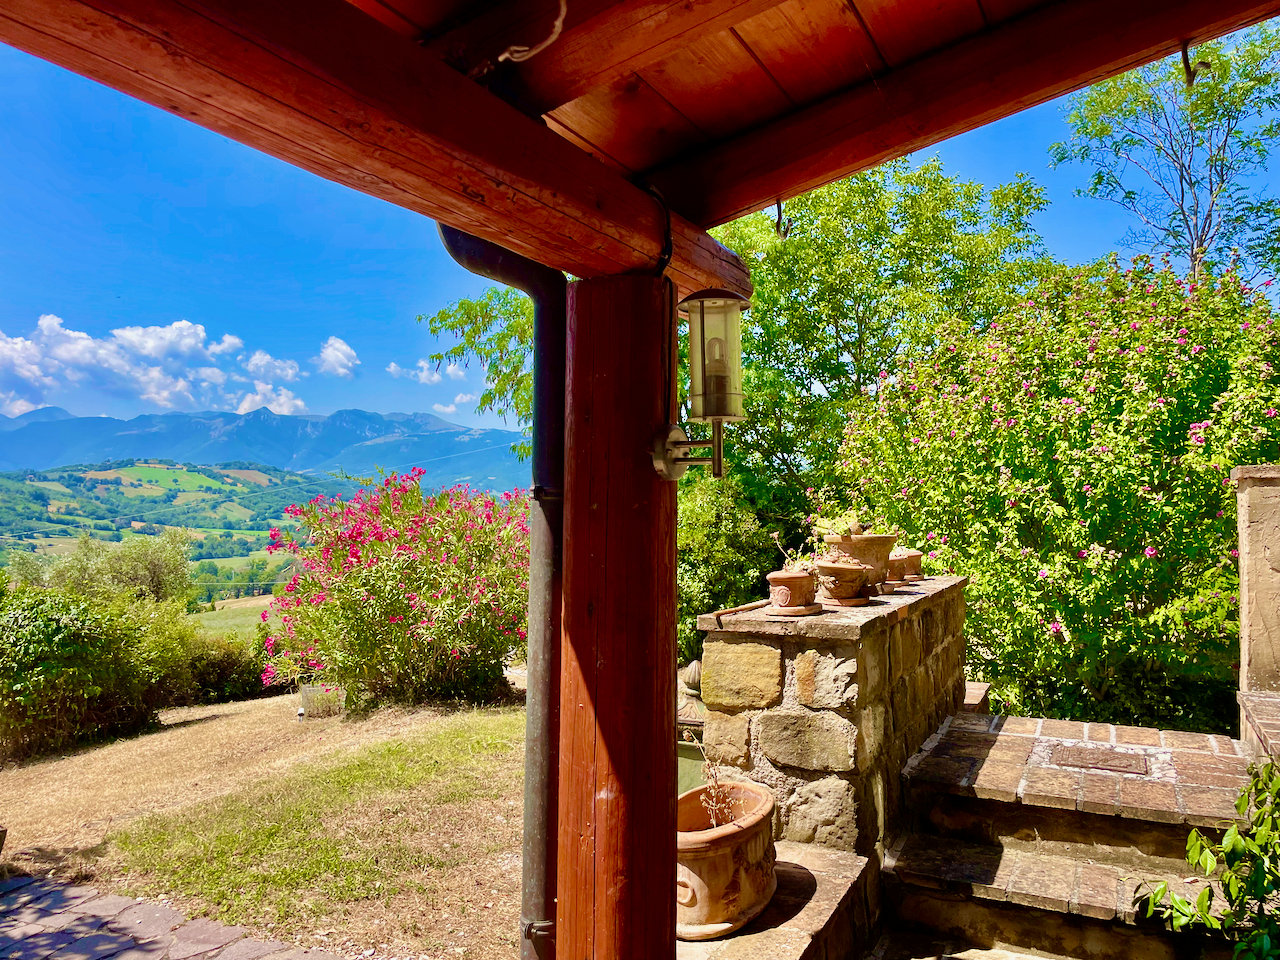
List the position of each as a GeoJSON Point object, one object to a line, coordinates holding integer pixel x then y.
{"type": "Point", "coordinates": [352, 441]}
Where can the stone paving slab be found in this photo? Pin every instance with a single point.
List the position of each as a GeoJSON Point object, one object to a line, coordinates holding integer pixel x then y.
{"type": "Point", "coordinates": [1160, 776]}
{"type": "Point", "coordinates": [41, 919]}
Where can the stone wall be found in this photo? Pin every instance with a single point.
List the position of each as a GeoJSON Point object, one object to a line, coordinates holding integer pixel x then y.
{"type": "Point", "coordinates": [825, 710]}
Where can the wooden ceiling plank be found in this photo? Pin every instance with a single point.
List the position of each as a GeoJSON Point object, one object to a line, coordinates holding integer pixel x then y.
{"type": "Point", "coordinates": [632, 122]}
{"type": "Point", "coordinates": [811, 47]}
{"type": "Point", "coordinates": [1033, 58]}
{"type": "Point", "coordinates": [320, 84]}
{"type": "Point", "coordinates": [621, 39]}
{"type": "Point", "coordinates": [905, 29]}
{"type": "Point", "coordinates": [718, 85]}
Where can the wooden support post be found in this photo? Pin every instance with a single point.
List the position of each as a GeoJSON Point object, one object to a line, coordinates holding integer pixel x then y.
{"type": "Point", "coordinates": [617, 837]}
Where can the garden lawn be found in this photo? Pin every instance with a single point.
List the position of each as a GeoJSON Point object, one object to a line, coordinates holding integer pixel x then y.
{"type": "Point", "coordinates": [399, 833]}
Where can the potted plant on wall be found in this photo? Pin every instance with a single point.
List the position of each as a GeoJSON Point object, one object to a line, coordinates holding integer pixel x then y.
{"type": "Point", "coordinates": [725, 856]}
{"type": "Point", "coordinates": [844, 535]}
{"type": "Point", "coordinates": [792, 588]}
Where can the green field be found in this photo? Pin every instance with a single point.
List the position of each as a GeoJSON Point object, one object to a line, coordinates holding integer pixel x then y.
{"type": "Point", "coordinates": [241, 616]}
{"type": "Point", "coordinates": [169, 477]}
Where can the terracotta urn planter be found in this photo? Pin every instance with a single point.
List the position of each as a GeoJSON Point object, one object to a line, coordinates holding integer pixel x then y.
{"type": "Point", "coordinates": [841, 583]}
{"type": "Point", "coordinates": [871, 549]}
{"type": "Point", "coordinates": [724, 875]}
{"type": "Point", "coordinates": [791, 592]}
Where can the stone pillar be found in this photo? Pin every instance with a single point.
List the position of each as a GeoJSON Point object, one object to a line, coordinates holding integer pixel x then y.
{"type": "Point", "coordinates": [825, 710]}
{"type": "Point", "coordinates": [1258, 523]}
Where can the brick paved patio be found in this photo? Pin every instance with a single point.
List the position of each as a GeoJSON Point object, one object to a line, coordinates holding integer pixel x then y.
{"type": "Point", "coordinates": [45, 920]}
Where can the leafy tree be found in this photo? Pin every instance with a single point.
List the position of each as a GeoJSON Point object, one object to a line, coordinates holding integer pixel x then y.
{"type": "Point", "coordinates": [1183, 152]}
{"type": "Point", "coordinates": [1072, 460]}
{"type": "Point", "coordinates": [497, 330]}
{"type": "Point", "coordinates": [152, 568]}
{"type": "Point", "coordinates": [869, 266]}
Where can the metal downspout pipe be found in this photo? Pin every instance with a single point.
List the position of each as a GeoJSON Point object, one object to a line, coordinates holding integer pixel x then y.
{"type": "Point", "coordinates": [547, 288]}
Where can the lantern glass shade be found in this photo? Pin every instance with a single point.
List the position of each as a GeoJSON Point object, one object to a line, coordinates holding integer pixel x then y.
{"type": "Point", "coordinates": [715, 355]}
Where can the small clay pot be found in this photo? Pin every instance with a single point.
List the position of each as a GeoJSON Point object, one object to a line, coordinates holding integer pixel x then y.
{"type": "Point", "coordinates": [897, 567]}
{"type": "Point", "coordinates": [841, 581]}
{"type": "Point", "coordinates": [871, 549]}
{"type": "Point", "coordinates": [724, 875]}
{"type": "Point", "coordinates": [791, 588]}
{"type": "Point", "coordinates": [914, 559]}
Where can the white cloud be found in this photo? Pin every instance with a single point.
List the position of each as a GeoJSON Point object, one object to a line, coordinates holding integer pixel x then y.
{"type": "Point", "coordinates": [441, 408]}
{"type": "Point", "coordinates": [279, 401]}
{"type": "Point", "coordinates": [455, 372]}
{"type": "Point", "coordinates": [337, 357]}
{"type": "Point", "coordinates": [11, 405]}
{"type": "Point", "coordinates": [229, 343]}
{"type": "Point", "coordinates": [181, 338]}
{"type": "Point", "coordinates": [263, 366]}
{"type": "Point", "coordinates": [210, 375]}
{"type": "Point", "coordinates": [423, 372]}
{"type": "Point", "coordinates": [465, 398]}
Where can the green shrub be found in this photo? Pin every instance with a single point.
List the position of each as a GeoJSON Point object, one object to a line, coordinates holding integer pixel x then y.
{"type": "Point", "coordinates": [68, 673]}
{"type": "Point", "coordinates": [404, 597]}
{"type": "Point", "coordinates": [722, 555]}
{"type": "Point", "coordinates": [183, 666]}
{"type": "Point", "coordinates": [1073, 460]}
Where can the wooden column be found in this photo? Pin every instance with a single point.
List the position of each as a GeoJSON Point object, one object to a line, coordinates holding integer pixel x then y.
{"type": "Point", "coordinates": [616, 874]}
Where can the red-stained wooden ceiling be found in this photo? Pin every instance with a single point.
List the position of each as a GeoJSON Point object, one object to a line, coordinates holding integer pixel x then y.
{"type": "Point", "coordinates": [723, 106]}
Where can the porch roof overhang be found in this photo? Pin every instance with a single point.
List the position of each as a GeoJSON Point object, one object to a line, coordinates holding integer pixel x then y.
{"type": "Point", "coordinates": [723, 106]}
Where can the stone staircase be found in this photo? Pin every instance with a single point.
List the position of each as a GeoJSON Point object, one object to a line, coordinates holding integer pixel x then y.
{"type": "Point", "coordinates": [1031, 837]}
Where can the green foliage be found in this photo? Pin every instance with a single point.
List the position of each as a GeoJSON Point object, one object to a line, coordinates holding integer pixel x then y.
{"type": "Point", "coordinates": [723, 554]}
{"type": "Point", "coordinates": [1189, 160]}
{"type": "Point", "coordinates": [68, 673]}
{"type": "Point", "coordinates": [497, 330]}
{"type": "Point", "coordinates": [1247, 864]}
{"type": "Point", "coordinates": [152, 568]}
{"type": "Point", "coordinates": [404, 597]}
{"type": "Point", "coordinates": [869, 267]}
{"type": "Point", "coordinates": [180, 664]}
{"type": "Point", "coordinates": [1073, 460]}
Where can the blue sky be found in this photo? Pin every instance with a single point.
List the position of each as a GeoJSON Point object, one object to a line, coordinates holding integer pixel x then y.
{"type": "Point", "coordinates": [148, 265]}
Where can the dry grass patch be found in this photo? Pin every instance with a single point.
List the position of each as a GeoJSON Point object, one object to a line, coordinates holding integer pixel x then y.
{"type": "Point", "coordinates": [407, 847]}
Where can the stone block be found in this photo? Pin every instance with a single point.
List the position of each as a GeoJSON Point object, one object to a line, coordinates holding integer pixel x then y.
{"type": "Point", "coordinates": [822, 811]}
{"type": "Point", "coordinates": [871, 735]}
{"type": "Point", "coordinates": [828, 680]}
{"type": "Point", "coordinates": [807, 740]}
{"type": "Point", "coordinates": [738, 676]}
{"type": "Point", "coordinates": [726, 737]}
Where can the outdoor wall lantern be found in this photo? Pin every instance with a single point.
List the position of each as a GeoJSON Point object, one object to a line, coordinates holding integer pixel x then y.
{"type": "Point", "coordinates": [715, 382]}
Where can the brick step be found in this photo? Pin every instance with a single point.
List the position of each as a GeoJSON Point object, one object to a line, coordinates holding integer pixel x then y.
{"type": "Point", "coordinates": [992, 779]}
{"type": "Point", "coordinates": [1021, 898]}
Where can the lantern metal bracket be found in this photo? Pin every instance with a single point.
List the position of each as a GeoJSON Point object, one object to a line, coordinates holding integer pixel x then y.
{"type": "Point", "coordinates": [672, 445]}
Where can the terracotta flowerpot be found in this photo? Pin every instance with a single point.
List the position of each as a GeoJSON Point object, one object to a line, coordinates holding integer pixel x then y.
{"type": "Point", "coordinates": [841, 583]}
{"type": "Point", "coordinates": [914, 559]}
{"type": "Point", "coordinates": [790, 588]}
{"type": "Point", "coordinates": [897, 567]}
{"type": "Point", "coordinates": [724, 875]}
{"type": "Point", "coordinates": [871, 549]}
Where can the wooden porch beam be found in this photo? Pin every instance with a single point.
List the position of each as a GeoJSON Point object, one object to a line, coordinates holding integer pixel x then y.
{"type": "Point", "coordinates": [1043, 54]}
{"type": "Point", "coordinates": [322, 85]}
{"type": "Point", "coordinates": [601, 42]}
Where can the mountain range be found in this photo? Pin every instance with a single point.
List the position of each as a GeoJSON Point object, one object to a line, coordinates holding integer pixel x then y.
{"type": "Point", "coordinates": [356, 442]}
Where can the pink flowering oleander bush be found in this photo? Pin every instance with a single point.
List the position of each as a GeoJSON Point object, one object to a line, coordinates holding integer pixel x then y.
{"type": "Point", "coordinates": [401, 596]}
{"type": "Point", "coordinates": [1073, 459]}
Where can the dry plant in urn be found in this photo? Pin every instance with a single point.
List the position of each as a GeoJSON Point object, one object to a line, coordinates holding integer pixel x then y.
{"type": "Point", "coordinates": [725, 857]}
